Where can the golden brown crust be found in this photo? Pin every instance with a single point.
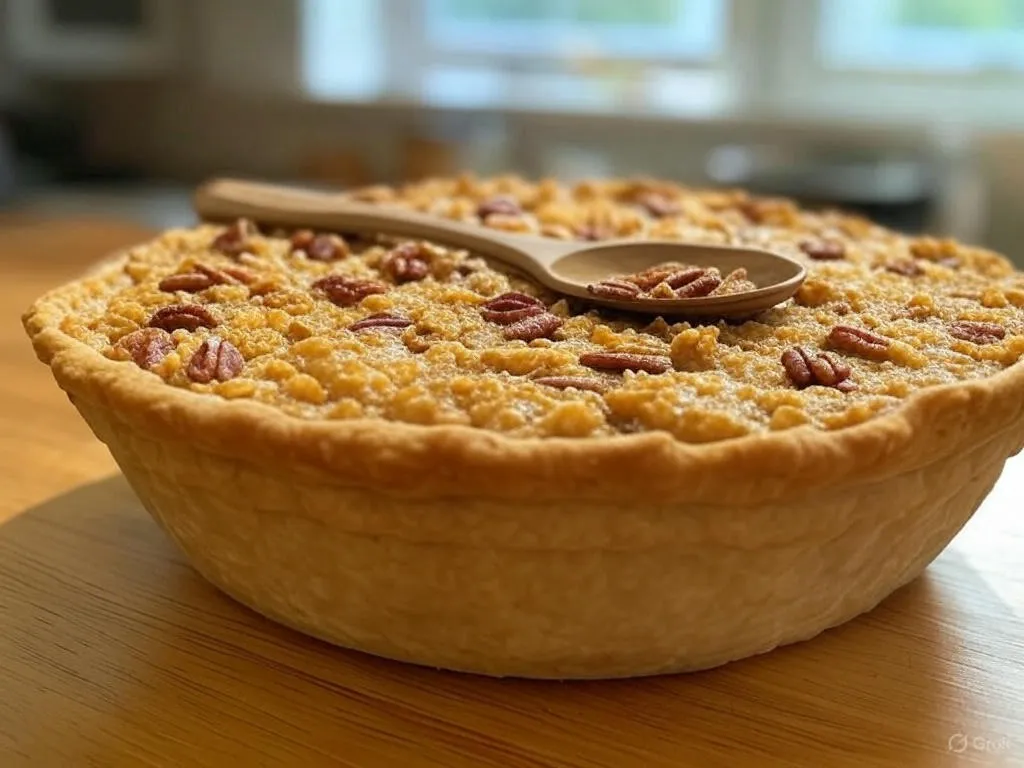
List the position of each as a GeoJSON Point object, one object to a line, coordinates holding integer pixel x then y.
{"type": "Point", "coordinates": [565, 588]}
{"type": "Point", "coordinates": [407, 459]}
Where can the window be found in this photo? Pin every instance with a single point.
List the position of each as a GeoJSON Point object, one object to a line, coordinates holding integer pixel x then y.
{"type": "Point", "coordinates": [928, 36]}
{"type": "Point", "coordinates": [581, 55]}
{"type": "Point", "coordinates": [585, 54]}
{"type": "Point", "coordinates": [343, 48]}
{"type": "Point", "coordinates": [881, 60]}
{"type": "Point", "coordinates": [639, 29]}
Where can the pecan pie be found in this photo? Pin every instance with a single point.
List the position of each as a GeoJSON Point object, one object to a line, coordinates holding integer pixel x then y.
{"type": "Point", "coordinates": [402, 448]}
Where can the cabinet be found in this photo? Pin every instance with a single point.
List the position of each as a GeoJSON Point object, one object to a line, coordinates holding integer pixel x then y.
{"type": "Point", "coordinates": [92, 38]}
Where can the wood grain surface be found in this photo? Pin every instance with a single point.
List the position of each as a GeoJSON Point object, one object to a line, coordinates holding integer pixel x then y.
{"type": "Point", "coordinates": [113, 652]}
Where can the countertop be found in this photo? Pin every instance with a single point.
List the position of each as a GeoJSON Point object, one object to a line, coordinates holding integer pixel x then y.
{"type": "Point", "coordinates": [113, 652]}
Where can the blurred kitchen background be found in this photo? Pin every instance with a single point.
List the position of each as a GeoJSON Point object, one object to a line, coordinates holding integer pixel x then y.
{"type": "Point", "coordinates": [909, 110]}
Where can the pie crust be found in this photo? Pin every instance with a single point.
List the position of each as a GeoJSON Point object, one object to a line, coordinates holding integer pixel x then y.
{"type": "Point", "coordinates": [462, 548]}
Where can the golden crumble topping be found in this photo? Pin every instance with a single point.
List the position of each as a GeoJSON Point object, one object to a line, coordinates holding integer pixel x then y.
{"type": "Point", "coordinates": [322, 325]}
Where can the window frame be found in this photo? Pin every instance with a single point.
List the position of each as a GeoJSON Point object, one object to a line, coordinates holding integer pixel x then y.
{"type": "Point", "coordinates": [803, 84]}
{"type": "Point", "coordinates": [769, 67]}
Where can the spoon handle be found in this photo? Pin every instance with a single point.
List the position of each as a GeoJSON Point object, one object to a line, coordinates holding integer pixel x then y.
{"type": "Point", "coordinates": [226, 199]}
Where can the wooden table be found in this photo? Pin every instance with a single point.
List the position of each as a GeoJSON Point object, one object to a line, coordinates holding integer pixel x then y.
{"type": "Point", "coordinates": [113, 652]}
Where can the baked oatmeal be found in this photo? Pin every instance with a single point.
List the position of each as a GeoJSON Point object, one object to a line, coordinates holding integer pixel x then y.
{"type": "Point", "coordinates": [327, 326]}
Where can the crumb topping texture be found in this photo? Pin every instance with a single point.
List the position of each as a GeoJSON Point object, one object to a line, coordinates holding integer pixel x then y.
{"type": "Point", "coordinates": [330, 326]}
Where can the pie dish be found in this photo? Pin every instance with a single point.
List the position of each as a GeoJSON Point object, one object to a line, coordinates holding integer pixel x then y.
{"type": "Point", "coordinates": [401, 449]}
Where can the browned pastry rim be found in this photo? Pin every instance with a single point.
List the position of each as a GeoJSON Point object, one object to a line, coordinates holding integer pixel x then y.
{"type": "Point", "coordinates": [452, 460]}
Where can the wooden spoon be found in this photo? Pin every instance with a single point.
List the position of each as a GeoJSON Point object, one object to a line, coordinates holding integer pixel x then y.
{"type": "Point", "coordinates": [564, 266]}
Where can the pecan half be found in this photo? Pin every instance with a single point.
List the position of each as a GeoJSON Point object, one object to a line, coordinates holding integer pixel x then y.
{"type": "Point", "coordinates": [584, 383]}
{"type": "Point", "coordinates": [405, 264]}
{"type": "Point", "coordinates": [235, 239]}
{"type": "Point", "coordinates": [327, 248]}
{"type": "Point", "coordinates": [653, 276]}
{"type": "Point", "coordinates": [215, 359]}
{"type": "Point", "coordinates": [226, 275]}
{"type": "Point", "coordinates": [301, 238]}
{"type": "Point", "coordinates": [614, 289]}
{"type": "Point", "coordinates": [823, 250]}
{"type": "Point", "coordinates": [347, 291]}
{"type": "Point", "coordinates": [827, 370]}
{"type": "Point", "coordinates": [977, 332]}
{"type": "Point", "coordinates": [684, 277]}
{"type": "Point", "coordinates": [190, 282]}
{"type": "Point", "coordinates": [859, 341]}
{"type": "Point", "coordinates": [906, 267]}
{"type": "Point", "coordinates": [657, 205]}
{"type": "Point", "coordinates": [381, 320]}
{"type": "Point", "coordinates": [511, 307]}
{"type": "Point", "coordinates": [822, 369]}
{"type": "Point", "coordinates": [702, 286]}
{"type": "Point", "coordinates": [798, 368]}
{"type": "Point", "coordinates": [319, 247]}
{"type": "Point", "coordinates": [503, 204]}
{"type": "Point", "coordinates": [147, 346]}
{"type": "Point", "coordinates": [512, 300]}
{"type": "Point", "coordinates": [241, 274]}
{"type": "Point", "coordinates": [202, 277]}
{"type": "Point", "coordinates": [509, 316]}
{"type": "Point", "coordinates": [536, 327]}
{"type": "Point", "coordinates": [625, 361]}
{"type": "Point", "coordinates": [187, 316]}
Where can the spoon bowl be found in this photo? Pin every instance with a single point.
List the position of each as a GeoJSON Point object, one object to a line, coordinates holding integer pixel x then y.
{"type": "Point", "coordinates": [564, 266]}
{"type": "Point", "coordinates": [778, 278]}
